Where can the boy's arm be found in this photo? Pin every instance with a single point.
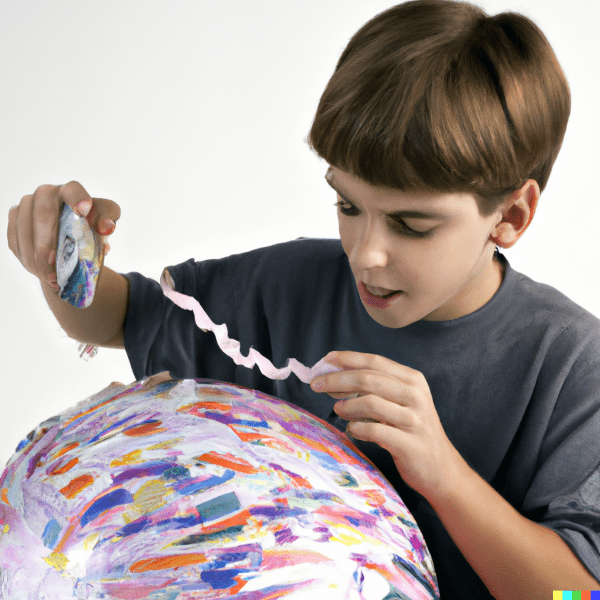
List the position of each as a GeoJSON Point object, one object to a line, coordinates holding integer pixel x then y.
{"type": "Point", "coordinates": [32, 237]}
{"type": "Point", "coordinates": [101, 323]}
{"type": "Point", "coordinates": [515, 558]}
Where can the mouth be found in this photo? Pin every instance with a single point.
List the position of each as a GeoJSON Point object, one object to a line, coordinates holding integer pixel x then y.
{"type": "Point", "coordinates": [380, 292]}
{"type": "Point", "coordinates": [376, 296]}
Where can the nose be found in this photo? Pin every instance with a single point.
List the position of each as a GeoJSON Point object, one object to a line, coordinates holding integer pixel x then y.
{"type": "Point", "coordinates": [370, 248]}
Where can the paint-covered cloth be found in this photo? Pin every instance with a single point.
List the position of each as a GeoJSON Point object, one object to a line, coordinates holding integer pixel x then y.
{"type": "Point", "coordinates": [516, 383]}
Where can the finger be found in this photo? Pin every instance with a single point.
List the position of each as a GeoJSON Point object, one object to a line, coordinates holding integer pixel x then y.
{"type": "Point", "coordinates": [373, 408]}
{"type": "Point", "coordinates": [103, 216]}
{"type": "Point", "coordinates": [45, 208]}
{"type": "Point", "coordinates": [100, 213]}
{"type": "Point", "coordinates": [24, 234]}
{"type": "Point", "coordinates": [349, 360]}
{"type": "Point", "coordinates": [369, 431]}
{"type": "Point", "coordinates": [11, 231]}
{"type": "Point", "coordinates": [345, 383]}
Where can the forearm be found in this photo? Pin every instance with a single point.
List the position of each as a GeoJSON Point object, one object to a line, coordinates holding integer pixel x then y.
{"type": "Point", "coordinates": [102, 322]}
{"type": "Point", "coordinates": [516, 558]}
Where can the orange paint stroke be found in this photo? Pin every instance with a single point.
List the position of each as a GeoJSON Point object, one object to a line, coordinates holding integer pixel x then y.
{"type": "Point", "coordinates": [167, 562]}
{"type": "Point", "coordinates": [59, 470]}
{"type": "Point", "coordinates": [76, 485]}
{"type": "Point", "coordinates": [65, 449]}
{"type": "Point", "coordinates": [382, 570]}
{"type": "Point", "coordinates": [265, 440]}
{"type": "Point", "coordinates": [76, 519]}
{"type": "Point", "coordinates": [240, 518]}
{"type": "Point", "coordinates": [95, 408]}
{"type": "Point", "coordinates": [214, 391]}
{"type": "Point", "coordinates": [144, 429]}
{"type": "Point", "coordinates": [5, 496]}
{"type": "Point", "coordinates": [228, 461]}
{"type": "Point", "coordinates": [340, 457]}
{"type": "Point", "coordinates": [198, 406]}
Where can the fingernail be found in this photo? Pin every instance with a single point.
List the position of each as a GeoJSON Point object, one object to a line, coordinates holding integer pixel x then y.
{"type": "Point", "coordinates": [83, 208]}
{"type": "Point", "coordinates": [106, 226]}
{"type": "Point", "coordinates": [316, 385]}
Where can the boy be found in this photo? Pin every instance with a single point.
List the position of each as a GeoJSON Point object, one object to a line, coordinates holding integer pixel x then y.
{"type": "Point", "coordinates": [474, 389]}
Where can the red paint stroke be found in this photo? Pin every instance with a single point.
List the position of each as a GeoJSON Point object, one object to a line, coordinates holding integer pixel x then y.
{"type": "Point", "coordinates": [161, 563]}
{"type": "Point", "coordinates": [144, 429]}
{"type": "Point", "coordinates": [59, 470]}
{"type": "Point", "coordinates": [76, 485]}
{"type": "Point", "coordinates": [228, 461]}
{"type": "Point", "coordinates": [197, 409]}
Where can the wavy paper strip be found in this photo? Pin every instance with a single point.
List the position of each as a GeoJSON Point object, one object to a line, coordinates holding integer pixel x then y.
{"type": "Point", "coordinates": [232, 347]}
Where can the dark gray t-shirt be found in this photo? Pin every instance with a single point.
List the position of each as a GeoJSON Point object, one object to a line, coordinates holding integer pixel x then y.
{"type": "Point", "coordinates": [516, 383]}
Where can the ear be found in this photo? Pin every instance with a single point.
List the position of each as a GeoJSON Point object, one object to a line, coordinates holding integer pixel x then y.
{"type": "Point", "coordinates": [516, 214]}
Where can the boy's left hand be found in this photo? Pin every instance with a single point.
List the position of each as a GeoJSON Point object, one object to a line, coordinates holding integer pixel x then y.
{"type": "Point", "coordinates": [395, 410]}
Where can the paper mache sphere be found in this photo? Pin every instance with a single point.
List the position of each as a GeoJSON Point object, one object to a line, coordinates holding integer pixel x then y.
{"type": "Point", "coordinates": [184, 489]}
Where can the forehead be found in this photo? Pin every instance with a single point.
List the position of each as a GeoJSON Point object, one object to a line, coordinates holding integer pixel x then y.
{"type": "Point", "coordinates": [435, 204]}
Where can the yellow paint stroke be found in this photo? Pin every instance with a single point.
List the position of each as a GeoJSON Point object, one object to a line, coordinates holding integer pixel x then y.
{"type": "Point", "coordinates": [57, 560]}
{"type": "Point", "coordinates": [151, 496]}
{"type": "Point", "coordinates": [166, 444]}
{"type": "Point", "coordinates": [90, 541]}
{"type": "Point", "coordinates": [127, 459]}
{"type": "Point", "coordinates": [345, 535]}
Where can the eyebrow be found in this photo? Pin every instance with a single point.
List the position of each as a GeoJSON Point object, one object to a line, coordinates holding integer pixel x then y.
{"type": "Point", "coordinates": [397, 214]}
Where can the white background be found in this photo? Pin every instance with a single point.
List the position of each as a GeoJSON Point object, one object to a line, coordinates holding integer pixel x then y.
{"type": "Point", "coordinates": [193, 115]}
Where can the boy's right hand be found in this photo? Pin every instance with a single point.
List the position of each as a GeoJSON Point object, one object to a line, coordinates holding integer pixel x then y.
{"type": "Point", "coordinates": [33, 225]}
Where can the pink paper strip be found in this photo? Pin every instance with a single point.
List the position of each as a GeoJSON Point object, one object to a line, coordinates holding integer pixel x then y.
{"type": "Point", "coordinates": [232, 347]}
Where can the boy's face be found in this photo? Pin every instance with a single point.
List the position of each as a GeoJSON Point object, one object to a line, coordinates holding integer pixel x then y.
{"type": "Point", "coordinates": [441, 261]}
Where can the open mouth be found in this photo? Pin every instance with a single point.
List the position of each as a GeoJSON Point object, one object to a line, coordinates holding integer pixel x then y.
{"type": "Point", "coordinates": [381, 292]}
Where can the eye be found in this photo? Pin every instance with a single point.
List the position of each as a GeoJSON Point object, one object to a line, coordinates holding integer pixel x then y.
{"type": "Point", "coordinates": [349, 210]}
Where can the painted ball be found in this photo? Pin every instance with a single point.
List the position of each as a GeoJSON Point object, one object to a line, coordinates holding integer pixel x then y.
{"type": "Point", "coordinates": [183, 489]}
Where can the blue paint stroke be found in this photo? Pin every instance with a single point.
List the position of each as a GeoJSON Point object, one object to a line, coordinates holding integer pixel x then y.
{"type": "Point", "coordinates": [221, 580]}
{"type": "Point", "coordinates": [110, 500]}
{"type": "Point", "coordinates": [185, 488]}
{"type": "Point", "coordinates": [148, 469]}
{"type": "Point", "coordinates": [51, 533]}
{"type": "Point", "coordinates": [218, 507]}
{"type": "Point", "coordinates": [108, 429]}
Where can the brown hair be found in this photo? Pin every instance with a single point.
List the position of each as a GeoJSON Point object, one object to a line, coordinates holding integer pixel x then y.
{"type": "Point", "coordinates": [437, 95]}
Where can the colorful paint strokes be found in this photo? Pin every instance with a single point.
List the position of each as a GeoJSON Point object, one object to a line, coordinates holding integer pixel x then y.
{"type": "Point", "coordinates": [187, 489]}
{"type": "Point", "coordinates": [78, 259]}
{"type": "Point", "coordinates": [576, 595]}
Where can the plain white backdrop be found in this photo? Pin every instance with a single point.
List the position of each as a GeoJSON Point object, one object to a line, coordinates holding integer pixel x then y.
{"type": "Point", "coordinates": [192, 115]}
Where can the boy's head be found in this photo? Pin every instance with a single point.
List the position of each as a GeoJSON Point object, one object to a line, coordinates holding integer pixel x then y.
{"type": "Point", "coordinates": [437, 95]}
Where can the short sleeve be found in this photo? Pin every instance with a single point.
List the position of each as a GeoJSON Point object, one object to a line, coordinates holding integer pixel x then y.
{"type": "Point", "coordinates": [160, 336]}
{"type": "Point", "coordinates": [565, 491]}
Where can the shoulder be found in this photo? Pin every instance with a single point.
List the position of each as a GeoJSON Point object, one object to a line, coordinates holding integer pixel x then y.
{"type": "Point", "coordinates": [541, 305]}
{"type": "Point", "coordinates": [300, 258]}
